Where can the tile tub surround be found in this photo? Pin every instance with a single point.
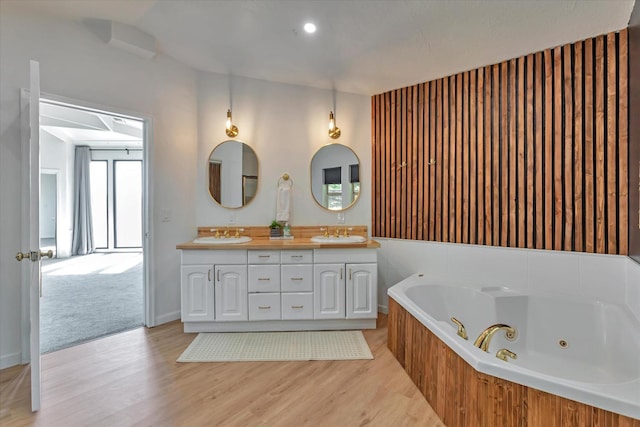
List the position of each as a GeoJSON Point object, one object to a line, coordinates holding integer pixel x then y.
{"type": "Point", "coordinates": [612, 278]}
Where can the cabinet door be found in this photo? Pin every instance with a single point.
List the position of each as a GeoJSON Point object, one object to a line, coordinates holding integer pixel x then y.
{"type": "Point", "coordinates": [362, 292]}
{"type": "Point", "coordinates": [328, 291]}
{"type": "Point", "coordinates": [196, 293]}
{"type": "Point", "coordinates": [231, 292]}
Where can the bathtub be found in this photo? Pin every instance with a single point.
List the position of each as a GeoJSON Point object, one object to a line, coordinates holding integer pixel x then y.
{"type": "Point", "coordinates": [580, 349]}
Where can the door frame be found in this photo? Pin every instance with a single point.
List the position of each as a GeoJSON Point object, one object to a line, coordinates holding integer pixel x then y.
{"type": "Point", "coordinates": [147, 203]}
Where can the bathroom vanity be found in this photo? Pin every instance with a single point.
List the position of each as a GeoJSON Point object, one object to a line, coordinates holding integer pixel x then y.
{"type": "Point", "coordinates": [278, 285]}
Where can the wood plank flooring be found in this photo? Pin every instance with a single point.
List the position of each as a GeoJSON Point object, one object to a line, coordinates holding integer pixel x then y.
{"type": "Point", "coordinates": [133, 379]}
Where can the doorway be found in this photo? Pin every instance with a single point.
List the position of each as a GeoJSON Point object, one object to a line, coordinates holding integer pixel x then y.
{"type": "Point", "coordinates": [96, 284]}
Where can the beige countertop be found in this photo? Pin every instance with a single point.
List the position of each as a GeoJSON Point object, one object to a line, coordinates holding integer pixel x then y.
{"type": "Point", "coordinates": [265, 243]}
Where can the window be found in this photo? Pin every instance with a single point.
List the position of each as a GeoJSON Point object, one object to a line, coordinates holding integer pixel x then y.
{"type": "Point", "coordinates": [332, 188]}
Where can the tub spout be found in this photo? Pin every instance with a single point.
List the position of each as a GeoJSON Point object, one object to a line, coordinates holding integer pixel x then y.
{"type": "Point", "coordinates": [483, 341]}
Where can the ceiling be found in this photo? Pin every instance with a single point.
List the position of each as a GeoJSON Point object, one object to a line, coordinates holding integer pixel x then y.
{"type": "Point", "coordinates": [361, 46]}
{"type": "Point", "coordinates": [94, 129]}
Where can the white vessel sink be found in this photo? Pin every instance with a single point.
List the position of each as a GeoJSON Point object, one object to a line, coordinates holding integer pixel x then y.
{"type": "Point", "coordinates": [341, 239]}
{"type": "Point", "coordinates": [210, 240]}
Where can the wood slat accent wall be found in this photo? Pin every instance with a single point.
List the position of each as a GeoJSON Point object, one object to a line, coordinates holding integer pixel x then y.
{"type": "Point", "coordinates": [532, 153]}
{"type": "Point", "coordinates": [462, 396]}
{"type": "Point", "coordinates": [634, 133]}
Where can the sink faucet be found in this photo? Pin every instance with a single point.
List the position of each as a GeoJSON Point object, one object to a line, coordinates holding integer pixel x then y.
{"type": "Point", "coordinates": [484, 339]}
{"type": "Point", "coordinates": [326, 231]}
{"type": "Point", "coordinates": [226, 232]}
{"type": "Point", "coordinates": [337, 233]}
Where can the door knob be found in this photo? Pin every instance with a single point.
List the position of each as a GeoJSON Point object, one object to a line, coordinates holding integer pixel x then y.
{"type": "Point", "coordinates": [23, 255]}
{"type": "Point", "coordinates": [48, 254]}
{"type": "Point", "coordinates": [34, 256]}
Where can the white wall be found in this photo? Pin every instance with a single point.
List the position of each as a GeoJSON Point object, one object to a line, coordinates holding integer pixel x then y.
{"type": "Point", "coordinates": [612, 278]}
{"type": "Point", "coordinates": [74, 63]}
{"type": "Point", "coordinates": [285, 125]}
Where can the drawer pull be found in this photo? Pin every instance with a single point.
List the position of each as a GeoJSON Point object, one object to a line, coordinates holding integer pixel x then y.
{"type": "Point", "coordinates": [264, 278]}
{"type": "Point", "coordinates": [264, 307]}
{"type": "Point", "coordinates": [264, 256]}
{"type": "Point", "coordinates": [297, 307]}
{"type": "Point", "coordinates": [297, 278]}
{"type": "Point", "coordinates": [296, 256]}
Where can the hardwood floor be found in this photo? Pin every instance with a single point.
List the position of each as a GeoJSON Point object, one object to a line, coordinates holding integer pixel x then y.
{"type": "Point", "coordinates": [133, 379]}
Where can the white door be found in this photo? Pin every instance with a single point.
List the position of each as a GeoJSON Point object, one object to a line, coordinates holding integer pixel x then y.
{"type": "Point", "coordinates": [328, 291]}
{"type": "Point", "coordinates": [197, 293]}
{"type": "Point", "coordinates": [362, 293]}
{"type": "Point", "coordinates": [31, 232]}
{"type": "Point", "coordinates": [231, 293]}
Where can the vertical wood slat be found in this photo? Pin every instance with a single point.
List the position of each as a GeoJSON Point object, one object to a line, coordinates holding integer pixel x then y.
{"type": "Point", "coordinates": [531, 152]}
{"type": "Point", "coordinates": [612, 145]}
{"type": "Point", "coordinates": [578, 153]}
{"type": "Point", "coordinates": [623, 141]}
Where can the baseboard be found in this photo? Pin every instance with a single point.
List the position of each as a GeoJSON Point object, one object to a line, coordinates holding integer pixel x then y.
{"type": "Point", "coordinates": [166, 318]}
{"type": "Point", "coordinates": [383, 309]}
{"type": "Point", "coordinates": [10, 360]}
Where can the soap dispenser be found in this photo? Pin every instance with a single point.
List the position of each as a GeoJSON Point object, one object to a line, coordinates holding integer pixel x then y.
{"type": "Point", "coordinates": [286, 230]}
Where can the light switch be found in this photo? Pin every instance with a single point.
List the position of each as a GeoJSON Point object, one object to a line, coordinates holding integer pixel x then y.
{"type": "Point", "coordinates": [165, 215]}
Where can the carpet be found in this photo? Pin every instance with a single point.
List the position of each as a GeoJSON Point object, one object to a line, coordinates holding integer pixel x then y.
{"type": "Point", "coordinates": [277, 346]}
{"type": "Point", "coordinates": [88, 297]}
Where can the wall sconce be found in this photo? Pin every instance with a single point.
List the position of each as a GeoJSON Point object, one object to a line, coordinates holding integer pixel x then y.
{"type": "Point", "coordinates": [334, 131]}
{"type": "Point", "coordinates": [231, 129]}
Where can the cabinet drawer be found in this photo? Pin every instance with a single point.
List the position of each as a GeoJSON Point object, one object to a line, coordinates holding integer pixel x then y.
{"type": "Point", "coordinates": [264, 306]}
{"type": "Point", "coordinates": [297, 306]}
{"type": "Point", "coordinates": [264, 278]}
{"type": "Point", "coordinates": [297, 257]}
{"type": "Point", "coordinates": [264, 257]}
{"type": "Point", "coordinates": [297, 278]}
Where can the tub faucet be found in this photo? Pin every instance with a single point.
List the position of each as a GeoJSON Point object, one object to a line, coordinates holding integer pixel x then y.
{"type": "Point", "coordinates": [462, 332]}
{"type": "Point", "coordinates": [484, 339]}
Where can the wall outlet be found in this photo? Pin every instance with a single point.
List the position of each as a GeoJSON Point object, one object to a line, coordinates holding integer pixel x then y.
{"type": "Point", "coordinates": [340, 217]}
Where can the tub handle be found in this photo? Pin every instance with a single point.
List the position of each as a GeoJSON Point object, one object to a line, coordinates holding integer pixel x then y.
{"type": "Point", "coordinates": [503, 353]}
{"type": "Point", "coordinates": [462, 332]}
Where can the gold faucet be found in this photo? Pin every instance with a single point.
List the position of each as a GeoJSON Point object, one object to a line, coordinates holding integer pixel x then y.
{"type": "Point", "coordinates": [337, 233]}
{"type": "Point", "coordinates": [346, 232]}
{"type": "Point", "coordinates": [462, 332]}
{"type": "Point", "coordinates": [237, 232]}
{"type": "Point", "coordinates": [326, 231]}
{"type": "Point", "coordinates": [484, 339]}
{"type": "Point", "coordinates": [217, 235]}
{"type": "Point", "coordinates": [226, 232]}
{"type": "Point", "coordinates": [503, 353]}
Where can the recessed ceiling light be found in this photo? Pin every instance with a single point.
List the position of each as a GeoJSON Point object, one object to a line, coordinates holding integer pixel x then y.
{"type": "Point", "coordinates": [310, 28]}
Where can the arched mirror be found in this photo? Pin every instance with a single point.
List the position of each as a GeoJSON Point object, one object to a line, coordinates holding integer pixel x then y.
{"type": "Point", "coordinates": [335, 177]}
{"type": "Point", "coordinates": [232, 172]}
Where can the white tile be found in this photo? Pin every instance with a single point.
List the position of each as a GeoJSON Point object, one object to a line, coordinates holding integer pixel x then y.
{"type": "Point", "coordinates": [481, 266]}
{"type": "Point", "coordinates": [554, 271]}
{"type": "Point", "coordinates": [633, 287]}
{"type": "Point", "coordinates": [603, 277]}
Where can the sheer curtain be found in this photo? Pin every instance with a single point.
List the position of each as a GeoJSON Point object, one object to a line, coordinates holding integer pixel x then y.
{"type": "Point", "coordinates": [82, 222]}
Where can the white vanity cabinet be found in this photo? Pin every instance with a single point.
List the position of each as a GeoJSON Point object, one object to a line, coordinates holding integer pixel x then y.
{"type": "Point", "coordinates": [213, 286]}
{"type": "Point", "coordinates": [345, 289]}
{"type": "Point", "coordinates": [196, 293]}
{"type": "Point", "coordinates": [226, 290]}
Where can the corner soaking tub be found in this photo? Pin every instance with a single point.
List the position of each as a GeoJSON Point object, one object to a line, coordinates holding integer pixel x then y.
{"type": "Point", "coordinates": [580, 349]}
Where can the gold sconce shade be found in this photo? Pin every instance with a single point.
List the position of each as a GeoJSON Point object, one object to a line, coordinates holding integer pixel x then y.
{"type": "Point", "coordinates": [334, 131]}
{"type": "Point", "coordinates": [231, 129]}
